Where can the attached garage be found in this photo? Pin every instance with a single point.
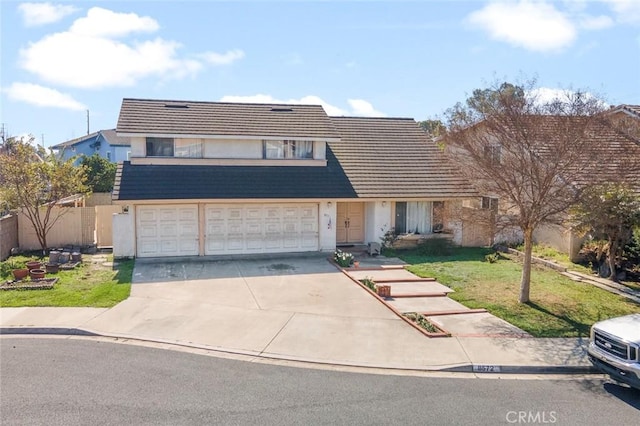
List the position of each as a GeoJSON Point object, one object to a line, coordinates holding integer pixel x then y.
{"type": "Point", "coordinates": [173, 230]}
{"type": "Point", "coordinates": [261, 228]}
{"type": "Point", "coordinates": [170, 230]}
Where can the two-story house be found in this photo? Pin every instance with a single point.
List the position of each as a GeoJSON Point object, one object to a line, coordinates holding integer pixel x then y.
{"type": "Point", "coordinates": [211, 178]}
{"type": "Point", "coordinates": [105, 143]}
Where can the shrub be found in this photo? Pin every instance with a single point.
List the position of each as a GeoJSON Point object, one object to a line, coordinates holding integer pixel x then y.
{"type": "Point", "coordinates": [387, 240]}
{"type": "Point", "coordinates": [492, 257]}
{"type": "Point", "coordinates": [369, 283]}
{"type": "Point", "coordinates": [343, 258]}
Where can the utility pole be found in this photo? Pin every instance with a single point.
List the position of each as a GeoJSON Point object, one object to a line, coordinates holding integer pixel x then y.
{"type": "Point", "coordinates": [87, 122]}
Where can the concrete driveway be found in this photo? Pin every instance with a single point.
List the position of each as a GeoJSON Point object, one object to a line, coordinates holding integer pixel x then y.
{"type": "Point", "coordinates": [290, 307]}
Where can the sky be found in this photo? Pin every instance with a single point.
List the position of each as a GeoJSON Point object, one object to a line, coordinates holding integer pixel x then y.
{"type": "Point", "coordinates": [60, 59]}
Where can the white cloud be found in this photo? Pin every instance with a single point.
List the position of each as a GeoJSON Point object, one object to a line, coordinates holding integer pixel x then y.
{"type": "Point", "coordinates": [595, 22]}
{"type": "Point", "coordinates": [42, 96]}
{"type": "Point", "coordinates": [627, 11]}
{"type": "Point", "coordinates": [90, 56]}
{"type": "Point", "coordinates": [359, 107]}
{"type": "Point", "coordinates": [226, 58]}
{"type": "Point", "coordinates": [547, 95]}
{"type": "Point", "coordinates": [363, 108]}
{"type": "Point", "coordinates": [101, 22]}
{"type": "Point", "coordinates": [34, 14]}
{"type": "Point", "coordinates": [536, 26]}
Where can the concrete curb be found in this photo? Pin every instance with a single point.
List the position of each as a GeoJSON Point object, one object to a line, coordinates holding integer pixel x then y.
{"type": "Point", "coordinates": [463, 368]}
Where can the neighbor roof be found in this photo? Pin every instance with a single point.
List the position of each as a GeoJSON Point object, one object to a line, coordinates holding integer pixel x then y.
{"type": "Point", "coordinates": [177, 182]}
{"type": "Point", "coordinates": [171, 118]}
{"type": "Point", "coordinates": [109, 135]}
{"type": "Point", "coordinates": [393, 157]}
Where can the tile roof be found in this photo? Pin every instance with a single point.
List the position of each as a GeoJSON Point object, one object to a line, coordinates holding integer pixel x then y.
{"type": "Point", "coordinates": [177, 182]}
{"type": "Point", "coordinates": [109, 135]}
{"type": "Point", "coordinates": [164, 117]}
{"type": "Point", "coordinates": [394, 158]}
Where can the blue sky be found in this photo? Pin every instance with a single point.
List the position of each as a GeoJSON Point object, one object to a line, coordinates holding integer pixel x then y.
{"type": "Point", "coordinates": [376, 58]}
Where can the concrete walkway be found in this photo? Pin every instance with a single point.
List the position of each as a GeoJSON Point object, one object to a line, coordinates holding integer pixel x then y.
{"type": "Point", "coordinates": [292, 308]}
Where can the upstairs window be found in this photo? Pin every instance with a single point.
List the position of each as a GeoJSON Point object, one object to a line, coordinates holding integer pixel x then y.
{"type": "Point", "coordinates": [493, 153]}
{"type": "Point", "coordinates": [297, 150]}
{"type": "Point", "coordinates": [169, 147]}
{"type": "Point", "coordinates": [159, 147]}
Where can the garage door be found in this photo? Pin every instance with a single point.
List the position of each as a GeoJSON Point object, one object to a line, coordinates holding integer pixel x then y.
{"type": "Point", "coordinates": [261, 228]}
{"type": "Point", "coordinates": [167, 230]}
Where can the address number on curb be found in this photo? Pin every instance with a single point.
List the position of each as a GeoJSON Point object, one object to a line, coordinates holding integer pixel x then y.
{"type": "Point", "coordinates": [486, 368]}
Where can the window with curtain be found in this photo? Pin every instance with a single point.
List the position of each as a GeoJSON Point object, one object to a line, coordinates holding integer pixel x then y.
{"type": "Point", "coordinates": [288, 149]}
{"type": "Point", "coordinates": [413, 217]}
{"type": "Point", "coordinates": [159, 147]}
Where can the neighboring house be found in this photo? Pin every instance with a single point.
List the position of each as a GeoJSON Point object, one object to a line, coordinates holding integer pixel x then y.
{"type": "Point", "coordinates": [209, 178]}
{"type": "Point", "coordinates": [618, 137]}
{"type": "Point", "coordinates": [105, 143]}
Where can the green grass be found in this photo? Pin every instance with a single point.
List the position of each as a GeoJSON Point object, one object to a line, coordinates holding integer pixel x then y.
{"type": "Point", "coordinates": [88, 285]}
{"type": "Point", "coordinates": [559, 307]}
{"type": "Point", "coordinates": [549, 253]}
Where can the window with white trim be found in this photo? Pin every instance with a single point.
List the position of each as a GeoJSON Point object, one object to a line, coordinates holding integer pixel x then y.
{"type": "Point", "coordinates": [288, 149]}
{"type": "Point", "coordinates": [489, 203]}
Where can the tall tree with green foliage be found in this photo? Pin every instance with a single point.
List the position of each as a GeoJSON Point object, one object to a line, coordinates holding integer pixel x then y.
{"type": "Point", "coordinates": [611, 210]}
{"type": "Point", "coordinates": [101, 173]}
{"type": "Point", "coordinates": [433, 128]}
{"type": "Point", "coordinates": [527, 152]}
{"type": "Point", "coordinates": [34, 180]}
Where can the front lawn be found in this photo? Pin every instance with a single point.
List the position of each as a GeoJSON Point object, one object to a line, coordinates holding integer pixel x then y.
{"type": "Point", "coordinates": [89, 285]}
{"type": "Point", "coordinates": [559, 307]}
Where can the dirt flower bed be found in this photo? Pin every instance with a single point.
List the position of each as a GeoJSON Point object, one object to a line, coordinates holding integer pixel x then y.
{"type": "Point", "coordinates": [41, 284]}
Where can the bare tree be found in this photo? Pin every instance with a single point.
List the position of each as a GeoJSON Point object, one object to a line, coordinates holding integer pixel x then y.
{"type": "Point", "coordinates": [35, 181]}
{"type": "Point", "coordinates": [535, 156]}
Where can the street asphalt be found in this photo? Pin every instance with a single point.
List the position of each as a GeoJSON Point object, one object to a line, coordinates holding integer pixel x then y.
{"type": "Point", "coordinates": [305, 309]}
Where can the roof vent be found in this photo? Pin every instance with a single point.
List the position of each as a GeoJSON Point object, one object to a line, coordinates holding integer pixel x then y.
{"type": "Point", "coordinates": [281, 109]}
{"type": "Point", "coordinates": [176, 106]}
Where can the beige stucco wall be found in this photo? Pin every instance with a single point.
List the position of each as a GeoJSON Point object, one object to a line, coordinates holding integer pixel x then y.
{"type": "Point", "coordinates": [232, 148]}
{"type": "Point", "coordinates": [226, 148]}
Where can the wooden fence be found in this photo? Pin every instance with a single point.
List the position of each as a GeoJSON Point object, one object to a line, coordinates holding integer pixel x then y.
{"type": "Point", "coordinates": [77, 226]}
{"type": "Point", "coordinates": [8, 235]}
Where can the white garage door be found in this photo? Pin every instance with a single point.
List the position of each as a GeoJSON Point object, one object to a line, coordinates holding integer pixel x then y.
{"type": "Point", "coordinates": [167, 230]}
{"type": "Point", "coordinates": [261, 228]}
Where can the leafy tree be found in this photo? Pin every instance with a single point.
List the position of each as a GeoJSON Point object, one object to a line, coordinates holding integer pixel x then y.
{"type": "Point", "coordinates": [611, 210]}
{"type": "Point", "coordinates": [34, 181]}
{"type": "Point", "coordinates": [101, 173]}
{"type": "Point", "coordinates": [529, 153]}
{"type": "Point", "coordinates": [433, 128]}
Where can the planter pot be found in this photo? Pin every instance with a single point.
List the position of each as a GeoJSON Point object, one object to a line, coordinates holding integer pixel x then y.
{"type": "Point", "coordinates": [36, 274]}
{"type": "Point", "coordinates": [19, 274]}
{"type": "Point", "coordinates": [356, 264]}
{"type": "Point", "coordinates": [76, 257]}
{"type": "Point", "coordinates": [33, 265]}
{"type": "Point", "coordinates": [52, 268]}
{"type": "Point", "coordinates": [54, 256]}
{"type": "Point", "coordinates": [65, 257]}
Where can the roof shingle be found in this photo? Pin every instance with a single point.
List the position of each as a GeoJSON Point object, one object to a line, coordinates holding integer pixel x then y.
{"type": "Point", "coordinates": [162, 117]}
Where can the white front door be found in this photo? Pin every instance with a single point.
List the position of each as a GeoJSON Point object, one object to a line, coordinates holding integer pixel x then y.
{"type": "Point", "coordinates": [261, 228]}
{"type": "Point", "coordinates": [169, 230]}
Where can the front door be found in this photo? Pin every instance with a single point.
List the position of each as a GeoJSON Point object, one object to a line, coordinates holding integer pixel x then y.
{"type": "Point", "coordinates": [350, 226]}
